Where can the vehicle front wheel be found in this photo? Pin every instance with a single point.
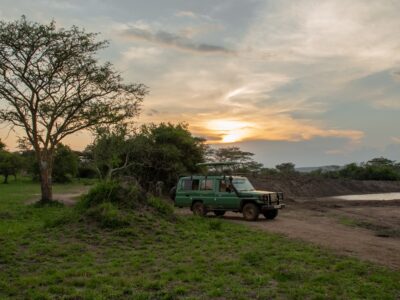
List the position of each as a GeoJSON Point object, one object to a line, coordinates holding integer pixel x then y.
{"type": "Point", "coordinates": [219, 213]}
{"type": "Point", "coordinates": [271, 214]}
{"type": "Point", "coordinates": [251, 212]}
{"type": "Point", "coordinates": [199, 209]}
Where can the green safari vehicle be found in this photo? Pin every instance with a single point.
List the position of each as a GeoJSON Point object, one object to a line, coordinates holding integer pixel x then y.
{"type": "Point", "coordinates": [221, 193]}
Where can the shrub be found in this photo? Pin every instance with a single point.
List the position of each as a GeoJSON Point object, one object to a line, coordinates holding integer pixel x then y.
{"type": "Point", "coordinates": [108, 215]}
{"type": "Point", "coordinates": [123, 195]}
{"type": "Point", "coordinates": [161, 206]}
{"type": "Point", "coordinates": [117, 204]}
{"type": "Point", "coordinates": [100, 193]}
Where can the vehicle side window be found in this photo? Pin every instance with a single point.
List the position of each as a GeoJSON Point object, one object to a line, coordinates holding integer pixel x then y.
{"type": "Point", "coordinates": [189, 185]}
{"type": "Point", "coordinates": [206, 185]}
{"type": "Point", "coordinates": [224, 186]}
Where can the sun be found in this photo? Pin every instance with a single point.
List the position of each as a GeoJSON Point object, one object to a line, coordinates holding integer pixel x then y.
{"type": "Point", "coordinates": [230, 131]}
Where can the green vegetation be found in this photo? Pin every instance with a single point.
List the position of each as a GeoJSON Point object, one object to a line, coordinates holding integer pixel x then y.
{"type": "Point", "coordinates": [65, 164]}
{"type": "Point", "coordinates": [10, 163]}
{"type": "Point", "coordinates": [53, 85]}
{"type": "Point", "coordinates": [153, 153]}
{"type": "Point", "coordinates": [375, 169]}
{"type": "Point", "coordinates": [58, 252]}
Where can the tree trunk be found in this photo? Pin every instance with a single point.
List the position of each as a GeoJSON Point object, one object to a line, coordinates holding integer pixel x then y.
{"type": "Point", "coordinates": [5, 178]}
{"type": "Point", "coordinates": [46, 180]}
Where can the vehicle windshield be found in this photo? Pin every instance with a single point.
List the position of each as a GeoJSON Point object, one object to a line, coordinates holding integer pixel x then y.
{"type": "Point", "coordinates": [242, 185]}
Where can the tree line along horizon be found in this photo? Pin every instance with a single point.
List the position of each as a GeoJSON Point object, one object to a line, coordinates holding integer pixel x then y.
{"type": "Point", "coordinates": [163, 152]}
{"type": "Point", "coordinates": [52, 85]}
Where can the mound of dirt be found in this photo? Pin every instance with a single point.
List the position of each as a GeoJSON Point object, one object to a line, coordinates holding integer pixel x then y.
{"type": "Point", "coordinates": [295, 186]}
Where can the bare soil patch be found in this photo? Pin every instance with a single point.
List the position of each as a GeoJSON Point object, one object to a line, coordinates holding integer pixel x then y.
{"type": "Point", "coordinates": [336, 225]}
{"type": "Point", "coordinates": [326, 227]}
{"type": "Point", "coordinates": [307, 186]}
{"type": "Point", "coordinates": [68, 199]}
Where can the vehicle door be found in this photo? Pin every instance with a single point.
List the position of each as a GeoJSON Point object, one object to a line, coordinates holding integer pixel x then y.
{"type": "Point", "coordinates": [206, 192]}
{"type": "Point", "coordinates": [187, 191]}
{"type": "Point", "coordinates": [225, 196]}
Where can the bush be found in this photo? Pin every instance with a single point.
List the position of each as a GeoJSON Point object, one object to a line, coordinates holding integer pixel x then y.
{"type": "Point", "coordinates": [65, 164]}
{"type": "Point", "coordinates": [123, 195]}
{"type": "Point", "coordinates": [108, 216]}
{"type": "Point", "coordinates": [85, 170]}
{"type": "Point", "coordinates": [117, 204]}
{"type": "Point", "coordinates": [161, 206]}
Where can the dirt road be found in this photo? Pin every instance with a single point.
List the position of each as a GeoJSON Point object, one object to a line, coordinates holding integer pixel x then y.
{"type": "Point", "coordinates": [369, 231]}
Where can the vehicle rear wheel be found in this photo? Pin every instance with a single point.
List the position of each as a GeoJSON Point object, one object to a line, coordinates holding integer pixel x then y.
{"type": "Point", "coordinates": [271, 214]}
{"type": "Point", "coordinates": [172, 193]}
{"type": "Point", "coordinates": [199, 209]}
{"type": "Point", "coordinates": [251, 212]}
{"type": "Point", "coordinates": [219, 213]}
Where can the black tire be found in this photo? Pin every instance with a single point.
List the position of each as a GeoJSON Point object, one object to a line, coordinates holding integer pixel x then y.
{"type": "Point", "coordinates": [251, 211]}
{"type": "Point", "coordinates": [199, 209]}
{"type": "Point", "coordinates": [172, 193]}
{"type": "Point", "coordinates": [271, 214]}
{"type": "Point", "coordinates": [219, 213]}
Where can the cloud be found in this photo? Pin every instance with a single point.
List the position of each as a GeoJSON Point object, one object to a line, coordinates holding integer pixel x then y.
{"type": "Point", "coordinates": [225, 102]}
{"type": "Point", "coordinates": [141, 53]}
{"type": "Point", "coordinates": [192, 15]}
{"type": "Point", "coordinates": [169, 39]}
{"type": "Point", "coordinates": [323, 29]}
{"type": "Point", "coordinates": [267, 128]}
{"type": "Point", "coordinates": [396, 139]}
{"type": "Point", "coordinates": [387, 103]}
{"type": "Point", "coordinates": [186, 13]}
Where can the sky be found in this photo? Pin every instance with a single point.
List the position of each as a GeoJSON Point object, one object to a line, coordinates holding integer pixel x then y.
{"type": "Point", "coordinates": [310, 82]}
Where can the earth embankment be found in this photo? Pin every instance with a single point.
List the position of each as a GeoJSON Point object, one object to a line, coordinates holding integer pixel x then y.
{"type": "Point", "coordinates": [295, 186]}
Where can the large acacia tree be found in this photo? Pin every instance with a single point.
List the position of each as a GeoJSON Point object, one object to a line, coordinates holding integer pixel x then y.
{"type": "Point", "coordinates": [52, 85]}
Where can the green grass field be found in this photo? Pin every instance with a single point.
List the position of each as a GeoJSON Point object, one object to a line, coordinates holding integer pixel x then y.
{"type": "Point", "coordinates": [48, 253]}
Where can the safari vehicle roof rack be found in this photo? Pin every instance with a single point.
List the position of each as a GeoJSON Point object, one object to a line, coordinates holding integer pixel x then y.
{"type": "Point", "coordinates": [218, 166]}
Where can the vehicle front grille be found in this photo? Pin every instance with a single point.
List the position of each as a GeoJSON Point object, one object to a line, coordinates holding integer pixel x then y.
{"type": "Point", "coordinates": [274, 198]}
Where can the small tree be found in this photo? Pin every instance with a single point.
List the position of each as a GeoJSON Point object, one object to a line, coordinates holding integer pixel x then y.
{"type": "Point", "coordinates": [10, 163]}
{"type": "Point", "coordinates": [65, 164]}
{"type": "Point", "coordinates": [286, 168]}
{"type": "Point", "coordinates": [232, 154]}
{"type": "Point", "coordinates": [2, 145]}
{"type": "Point", "coordinates": [381, 162]}
{"type": "Point", "coordinates": [110, 151]}
{"type": "Point", "coordinates": [235, 154]}
{"type": "Point", "coordinates": [52, 85]}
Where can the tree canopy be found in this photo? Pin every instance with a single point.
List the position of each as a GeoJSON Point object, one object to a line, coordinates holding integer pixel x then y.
{"type": "Point", "coordinates": [53, 85]}
{"type": "Point", "coordinates": [154, 153]}
{"type": "Point", "coordinates": [65, 164]}
{"type": "Point", "coordinates": [286, 167]}
{"type": "Point", "coordinates": [10, 164]}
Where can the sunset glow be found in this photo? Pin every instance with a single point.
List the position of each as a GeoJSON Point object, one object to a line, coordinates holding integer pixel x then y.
{"type": "Point", "coordinates": [230, 131]}
{"type": "Point", "coordinates": [311, 82]}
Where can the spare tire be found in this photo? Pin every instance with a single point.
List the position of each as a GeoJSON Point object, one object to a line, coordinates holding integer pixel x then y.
{"type": "Point", "coordinates": [172, 193]}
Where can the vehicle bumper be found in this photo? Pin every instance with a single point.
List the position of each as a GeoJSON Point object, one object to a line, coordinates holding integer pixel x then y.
{"type": "Point", "coordinates": [271, 207]}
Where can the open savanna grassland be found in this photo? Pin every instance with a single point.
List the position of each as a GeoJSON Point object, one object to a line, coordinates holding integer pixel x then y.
{"type": "Point", "coordinates": [55, 253]}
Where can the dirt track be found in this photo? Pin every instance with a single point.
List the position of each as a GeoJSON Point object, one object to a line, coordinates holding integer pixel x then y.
{"type": "Point", "coordinates": [324, 224]}
{"type": "Point", "coordinates": [323, 227]}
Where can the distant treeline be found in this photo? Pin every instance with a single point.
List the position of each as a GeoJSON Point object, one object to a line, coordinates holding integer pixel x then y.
{"type": "Point", "coordinates": [161, 153]}
{"type": "Point", "coordinates": [379, 168]}
{"type": "Point", "coordinates": [375, 169]}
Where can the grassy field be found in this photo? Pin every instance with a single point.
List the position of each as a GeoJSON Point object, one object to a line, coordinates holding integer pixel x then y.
{"type": "Point", "coordinates": [49, 252]}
